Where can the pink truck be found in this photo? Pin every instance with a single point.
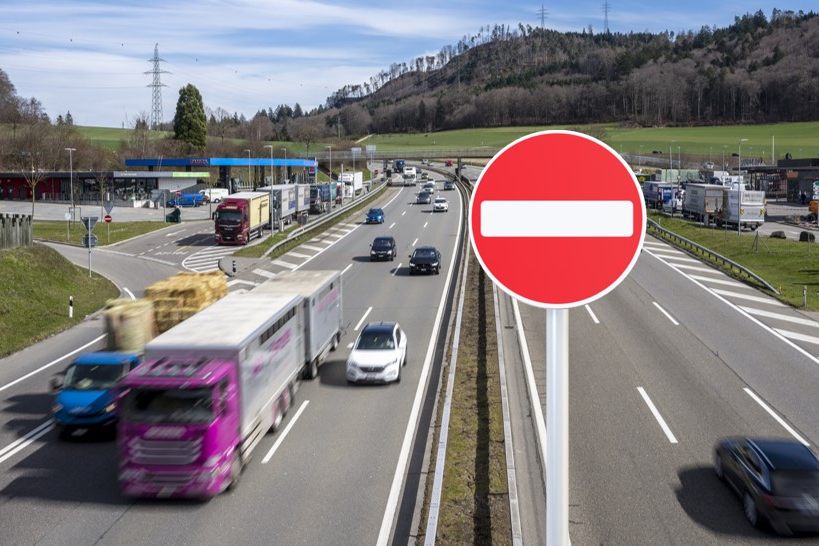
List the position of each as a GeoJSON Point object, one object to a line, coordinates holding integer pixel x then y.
{"type": "Point", "coordinates": [207, 392]}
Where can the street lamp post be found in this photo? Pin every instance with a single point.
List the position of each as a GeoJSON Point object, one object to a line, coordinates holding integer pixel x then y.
{"type": "Point", "coordinates": [271, 161]}
{"type": "Point", "coordinates": [670, 158]}
{"type": "Point", "coordinates": [71, 181]}
{"type": "Point", "coordinates": [330, 147]}
{"type": "Point", "coordinates": [248, 166]}
{"type": "Point", "coordinates": [739, 186]}
{"type": "Point", "coordinates": [724, 147]}
{"type": "Point", "coordinates": [286, 170]}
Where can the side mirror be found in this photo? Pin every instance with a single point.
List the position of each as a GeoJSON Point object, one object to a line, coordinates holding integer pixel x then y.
{"type": "Point", "coordinates": [410, 256]}
{"type": "Point", "coordinates": [55, 383]}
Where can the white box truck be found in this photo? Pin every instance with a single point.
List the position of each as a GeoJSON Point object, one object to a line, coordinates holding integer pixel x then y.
{"type": "Point", "coordinates": [702, 201]}
{"type": "Point", "coordinates": [302, 198]}
{"type": "Point", "coordinates": [322, 310]}
{"type": "Point", "coordinates": [353, 183]}
{"type": "Point", "coordinates": [742, 206]}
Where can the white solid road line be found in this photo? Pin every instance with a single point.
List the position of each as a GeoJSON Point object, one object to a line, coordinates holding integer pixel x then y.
{"type": "Point", "coordinates": [263, 273]}
{"type": "Point", "coordinates": [749, 297]}
{"type": "Point", "coordinates": [414, 242]}
{"type": "Point", "coordinates": [283, 434]}
{"type": "Point", "coordinates": [130, 294]}
{"type": "Point", "coordinates": [313, 248]}
{"type": "Point", "coordinates": [282, 263]}
{"type": "Point", "coordinates": [22, 443]}
{"type": "Point", "coordinates": [343, 271]}
{"type": "Point", "coordinates": [657, 416]}
{"type": "Point", "coordinates": [548, 218]}
{"type": "Point", "coordinates": [666, 313]}
{"type": "Point", "coordinates": [779, 316]}
{"type": "Point", "coordinates": [726, 282]}
{"type": "Point", "coordinates": [778, 419]}
{"type": "Point", "coordinates": [391, 225]}
{"type": "Point", "coordinates": [797, 336]}
{"type": "Point", "coordinates": [397, 267]}
{"type": "Point", "coordinates": [360, 322]}
{"type": "Point", "coordinates": [592, 315]}
{"type": "Point", "coordinates": [41, 368]}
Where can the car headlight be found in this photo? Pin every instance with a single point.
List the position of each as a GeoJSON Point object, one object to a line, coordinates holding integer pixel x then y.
{"type": "Point", "coordinates": [435, 264]}
{"type": "Point", "coordinates": [372, 252]}
{"type": "Point", "coordinates": [110, 408]}
{"type": "Point", "coordinates": [56, 407]}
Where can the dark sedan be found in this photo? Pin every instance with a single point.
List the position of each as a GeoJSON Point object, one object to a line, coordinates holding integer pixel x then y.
{"type": "Point", "coordinates": [425, 259]}
{"type": "Point", "coordinates": [777, 480]}
{"type": "Point", "coordinates": [424, 198]}
{"type": "Point", "coordinates": [383, 248]}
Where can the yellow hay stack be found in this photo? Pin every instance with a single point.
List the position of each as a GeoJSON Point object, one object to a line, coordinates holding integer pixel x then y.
{"type": "Point", "coordinates": [183, 295]}
{"type": "Point", "coordinates": [129, 324]}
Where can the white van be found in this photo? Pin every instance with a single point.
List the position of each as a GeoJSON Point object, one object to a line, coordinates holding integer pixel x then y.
{"type": "Point", "coordinates": [215, 195]}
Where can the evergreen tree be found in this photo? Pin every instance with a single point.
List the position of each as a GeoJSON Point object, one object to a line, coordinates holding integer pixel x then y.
{"type": "Point", "coordinates": [60, 120]}
{"type": "Point", "coordinates": [68, 119]}
{"type": "Point", "coordinates": [189, 123]}
{"type": "Point", "coordinates": [297, 112]}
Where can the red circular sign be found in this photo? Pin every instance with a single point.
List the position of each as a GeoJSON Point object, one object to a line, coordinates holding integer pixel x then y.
{"type": "Point", "coordinates": [557, 219]}
{"type": "Point", "coordinates": [107, 218]}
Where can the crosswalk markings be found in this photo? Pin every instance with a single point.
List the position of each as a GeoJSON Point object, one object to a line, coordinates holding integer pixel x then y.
{"type": "Point", "coordinates": [206, 259]}
{"type": "Point", "coordinates": [263, 273]}
{"type": "Point", "coordinates": [779, 316]}
{"type": "Point", "coordinates": [726, 282]}
{"type": "Point", "coordinates": [749, 297]}
{"type": "Point", "coordinates": [682, 259]}
{"type": "Point", "coordinates": [797, 337]}
{"type": "Point", "coordinates": [694, 268]}
{"type": "Point", "coordinates": [282, 263]}
{"type": "Point", "coordinates": [313, 248]}
{"type": "Point", "coordinates": [297, 255]}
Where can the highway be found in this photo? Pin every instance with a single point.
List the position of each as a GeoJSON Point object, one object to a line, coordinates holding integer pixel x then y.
{"type": "Point", "coordinates": [333, 475]}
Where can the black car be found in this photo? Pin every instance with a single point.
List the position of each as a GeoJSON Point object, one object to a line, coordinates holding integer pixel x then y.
{"type": "Point", "coordinates": [777, 480]}
{"type": "Point", "coordinates": [425, 259]}
{"type": "Point", "coordinates": [383, 248]}
{"type": "Point", "coordinates": [424, 198]}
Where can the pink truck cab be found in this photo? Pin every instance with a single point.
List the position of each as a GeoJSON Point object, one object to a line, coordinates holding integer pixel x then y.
{"type": "Point", "coordinates": [207, 392]}
{"type": "Point", "coordinates": [240, 217]}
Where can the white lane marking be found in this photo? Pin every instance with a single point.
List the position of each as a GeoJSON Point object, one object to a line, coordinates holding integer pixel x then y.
{"type": "Point", "coordinates": [726, 282]}
{"type": "Point", "coordinates": [758, 299]}
{"type": "Point", "coordinates": [425, 224]}
{"type": "Point", "coordinates": [557, 218]}
{"type": "Point", "coordinates": [350, 345]}
{"type": "Point", "coordinates": [339, 235]}
{"type": "Point", "coordinates": [130, 294]}
{"type": "Point", "coordinates": [657, 416]}
{"type": "Point", "coordinates": [171, 234]}
{"type": "Point", "coordinates": [392, 225]}
{"type": "Point", "coordinates": [263, 273]}
{"type": "Point", "coordinates": [592, 315]}
{"type": "Point", "coordinates": [297, 255]}
{"type": "Point", "coordinates": [669, 251]}
{"type": "Point", "coordinates": [240, 281]}
{"type": "Point", "coordinates": [681, 258]}
{"type": "Point", "coordinates": [403, 213]}
{"type": "Point", "coordinates": [409, 433]}
{"type": "Point", "coordinates": [313, 248]}
{"type": "Point", "coordinates": [282, 263]}
{"type": "Point", "coordinates": [779, 316]}
{"type": "Point", "coordinates": [22, 443]}
{"type": "Point", "coordinates": [415, 241]}
{"type": "Point", "coordinates": [283, 434]}
{"type": "Point", "coordinates": [753, 319]}
{"type": "Point", "coordinates": [397, 267]}
{"type": "Point", "coordinates": [697, 268]}
{"type": "Point", "coordinates": [213, 251]}
{"type": "Point", "coordinates": [360, 322]}
{"type": "Point", "coordinates": [41, 368]}
{"type": "Point", "coordinates": [778, 419]}
{"type": "Point", "coordinates": [343, 271]}
{"type": "Point", "coordinates": [666, 313]}
{"type": "Point", "coordinates": [797, 336]}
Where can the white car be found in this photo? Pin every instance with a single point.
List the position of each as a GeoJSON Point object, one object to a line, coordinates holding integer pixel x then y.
{"type": "Point", "coordinates": [429, 186]}
{"type": "Point", "coordinates": [378, 355]}
{"type": "Point", "coordinates": [440, 205]}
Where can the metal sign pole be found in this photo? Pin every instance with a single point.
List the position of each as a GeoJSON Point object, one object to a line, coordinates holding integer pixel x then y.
{"type": "Point", "coordinates": [557, 427]}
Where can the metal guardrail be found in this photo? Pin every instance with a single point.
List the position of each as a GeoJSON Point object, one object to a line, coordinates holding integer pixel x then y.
{"type": "Point", "coordinates": [690, 246]}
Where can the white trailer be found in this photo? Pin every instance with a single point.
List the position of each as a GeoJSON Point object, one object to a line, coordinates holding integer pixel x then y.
{"type": "Point", "coordinates": [283, 202]}
{"type": "Point", "coordinates": [702, 201]}
{"type": "Point", "coordinates": [743, 207]}
{"type": "Point", "coordinates": [353, 183]}
{"type": "Point", "coordinates": [322, 310]}
{"type": "Point", "coordinates": [302, 198]}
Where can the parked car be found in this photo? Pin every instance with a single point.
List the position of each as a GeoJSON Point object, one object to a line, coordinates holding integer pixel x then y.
{"type": "Point", "coordinates": [375, 216]}
{"type": "Point", "coordinates": [383, 248]}
{"type": "Point", "coordinates": [425, 259]}
{"type": "Point", "coordinates": [378, 355]}
{"type": "Point", "coordinates": [777, 480]}
{"type": "Point", "coordinates": [449, 185]}
{"type": "Point", "coordinates": [187, 200]}
{"type": "Point", "coordinates": [424, 198]}
{"type": "Point", "coordinates": [214, 195]}
{"type": "Point", "coordinates": [440, 205]}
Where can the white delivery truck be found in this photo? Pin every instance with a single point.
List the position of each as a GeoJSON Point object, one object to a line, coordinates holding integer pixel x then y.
{"type": "Point", "coordinates": [283, 201]}
{"type": "Point", "coordinates": [743, 207]}
{"type": "Point", "coordinates": [215, 195]}
{"type": "Point", "coordinates": [322, 310]}
{"type": "Point", "coordinates": [410, 176]}
{"type": "Point", "coordinates": [353, 183]}
{"type": "Point", "coordinates": [302, 198]}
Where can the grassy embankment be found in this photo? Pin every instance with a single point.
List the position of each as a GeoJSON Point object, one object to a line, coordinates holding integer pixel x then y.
{"type": "Point", "coordinates": [36, 283]}
{"type": "Point", "coordinates": [474, 500]}
{"type": "Point", "coordinates": [119, 231]}
{"type": "Point", "coordinates": [786, 265]}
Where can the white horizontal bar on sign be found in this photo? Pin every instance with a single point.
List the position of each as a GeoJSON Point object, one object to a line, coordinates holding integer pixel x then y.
{"type": "Point", "coordinates": [557, 219]}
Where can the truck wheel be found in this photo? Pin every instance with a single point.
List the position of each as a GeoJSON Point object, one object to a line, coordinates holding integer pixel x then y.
{"type": "Point", "coordinates": [336, 341]}
{"type": "Point", "coordinates": [236, 468]}
{"type": "Point", "coordinates": [311, 370]}
{"type": "Point", "coordinates": [278, 417]}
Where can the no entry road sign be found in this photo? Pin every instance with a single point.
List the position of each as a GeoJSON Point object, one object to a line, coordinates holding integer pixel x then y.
{"type": "Point", "coordinates": [557, 219]}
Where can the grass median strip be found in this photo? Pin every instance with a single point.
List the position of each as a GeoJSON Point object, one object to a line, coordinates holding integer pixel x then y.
{"type": "Point", "coordinates": [474, 501]}
{"type": "Point", "coordinates": [787, 265]}
{"type": "Point", "coordinates": [114, 232]}
{"type": "Point", "coordinates": [37, 282]}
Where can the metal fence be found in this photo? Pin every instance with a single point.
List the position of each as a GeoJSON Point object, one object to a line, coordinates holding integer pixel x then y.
{"type": "Point", "coordinates": [15, 230]}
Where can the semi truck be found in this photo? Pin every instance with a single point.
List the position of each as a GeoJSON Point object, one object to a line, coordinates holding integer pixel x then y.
{"type": "Point", "coordinates": [205, 395]}
{"type": "Point", "coordinates": [702, 201]}
{"type": "Point", "coordinates": [322, 196]}
{"type": "Point", "coordinates": [302, 198]}
{"type": "Point", "coordinates": [321, 309]}
{"type": "Point", "coordinates": [653, 193]}
{"type": "Point", "coordinates": [353, 183]}
{"type": "Point", "coordinates": [283, 201]}
{"type": "Point", "coordinates": [743, 207]}
{"type": "Point", "coordinates": [398, 166]}
{"type": "Point", "coordinates": [410, 176]}
{"type": "Point", "coordinates": [242, 216]}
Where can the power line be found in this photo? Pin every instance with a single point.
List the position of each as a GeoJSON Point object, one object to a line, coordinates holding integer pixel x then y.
{"type": "Point", "coordinates": [156, 85]}
{"type": "Point", "coordinates": [542, 12]}
{"type": "Point", "coordinates": [606, 9]}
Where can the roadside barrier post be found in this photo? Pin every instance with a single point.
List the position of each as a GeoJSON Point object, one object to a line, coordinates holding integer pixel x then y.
{"type": "Point", "coordinates": [71, 307]}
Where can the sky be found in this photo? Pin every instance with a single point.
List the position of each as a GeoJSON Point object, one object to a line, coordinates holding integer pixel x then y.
{"type": "Point", "coordinates": [89, 56]}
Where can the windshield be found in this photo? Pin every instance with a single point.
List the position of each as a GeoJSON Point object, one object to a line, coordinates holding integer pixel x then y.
{"type": "Point", "coordinates": [87, 377]}
{"type": "Point", "coordinates": [382, 243]}
{"type": "Point", "coordinates": [172, 406]}
{"type": "Point", "coordinates": [440, 200]}
{"type": "Point", "coordinates": [375, 212]}
{"type": "Point", "coordinates": [375, 341]}
{"type": "Point", "coordinates": [795, 483]}
{"type": "Point", "coordinates": [423, 195]}
{"type": "Point", "coordinates": [424, 253]}
{"type": "Point", "coordinates": [229, 216]}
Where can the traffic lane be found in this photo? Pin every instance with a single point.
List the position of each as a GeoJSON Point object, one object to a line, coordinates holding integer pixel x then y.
{"type": "Point", "coordinates": [147, 520]}
{"type": "Point", "coordinates": [787, 379]}
{"type": "Point", "coordinates": [172, 245]}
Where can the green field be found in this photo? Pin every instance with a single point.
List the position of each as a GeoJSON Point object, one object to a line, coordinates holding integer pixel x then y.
{"type": "Point", "coordinates": [37, 282]}
{"type": "Point", "coordinates": [112, 137]}
{"type": "Point", "coordinates": [800, 139]}
{"type": "Point", "coordinates": [106, 233]}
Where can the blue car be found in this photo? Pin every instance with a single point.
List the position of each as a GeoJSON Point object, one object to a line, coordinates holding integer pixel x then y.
{"type": "Point", "coordinates": [86, 396]}
{"type": "Point", "coordinates": [375, 216]}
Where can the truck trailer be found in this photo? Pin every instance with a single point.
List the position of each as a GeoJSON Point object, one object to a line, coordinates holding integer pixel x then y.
{"type": "Point", "coordinates": [283, 201]}
{"type": "Point", "coordinates": [353, 183]}
{"type": "Point", "coordinates": [702, 202]}
{"type": "Point", "coordinates": [302, 198]}
{"type": "Point", "coordinates": [322, 196]}
{"type": "Point", "coordinates": [321, 308]}
{"type": "Point", "coordinates": [205, 395]}
{"type": "Point", "coordinates": [242, 216]}
{"type": "Point", "coordinates": [743, 207]}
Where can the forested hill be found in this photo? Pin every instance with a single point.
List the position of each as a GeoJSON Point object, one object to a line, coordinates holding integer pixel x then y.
{"type": "Point", "coordinates": [758, 69]}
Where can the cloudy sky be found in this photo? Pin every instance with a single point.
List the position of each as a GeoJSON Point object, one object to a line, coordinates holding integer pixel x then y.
{"type": "Point", "coordinates": [88, 56]}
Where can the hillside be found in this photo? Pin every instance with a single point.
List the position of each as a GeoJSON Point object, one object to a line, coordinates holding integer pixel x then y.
{"type": "Point", "coordinates": [757, 70]}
